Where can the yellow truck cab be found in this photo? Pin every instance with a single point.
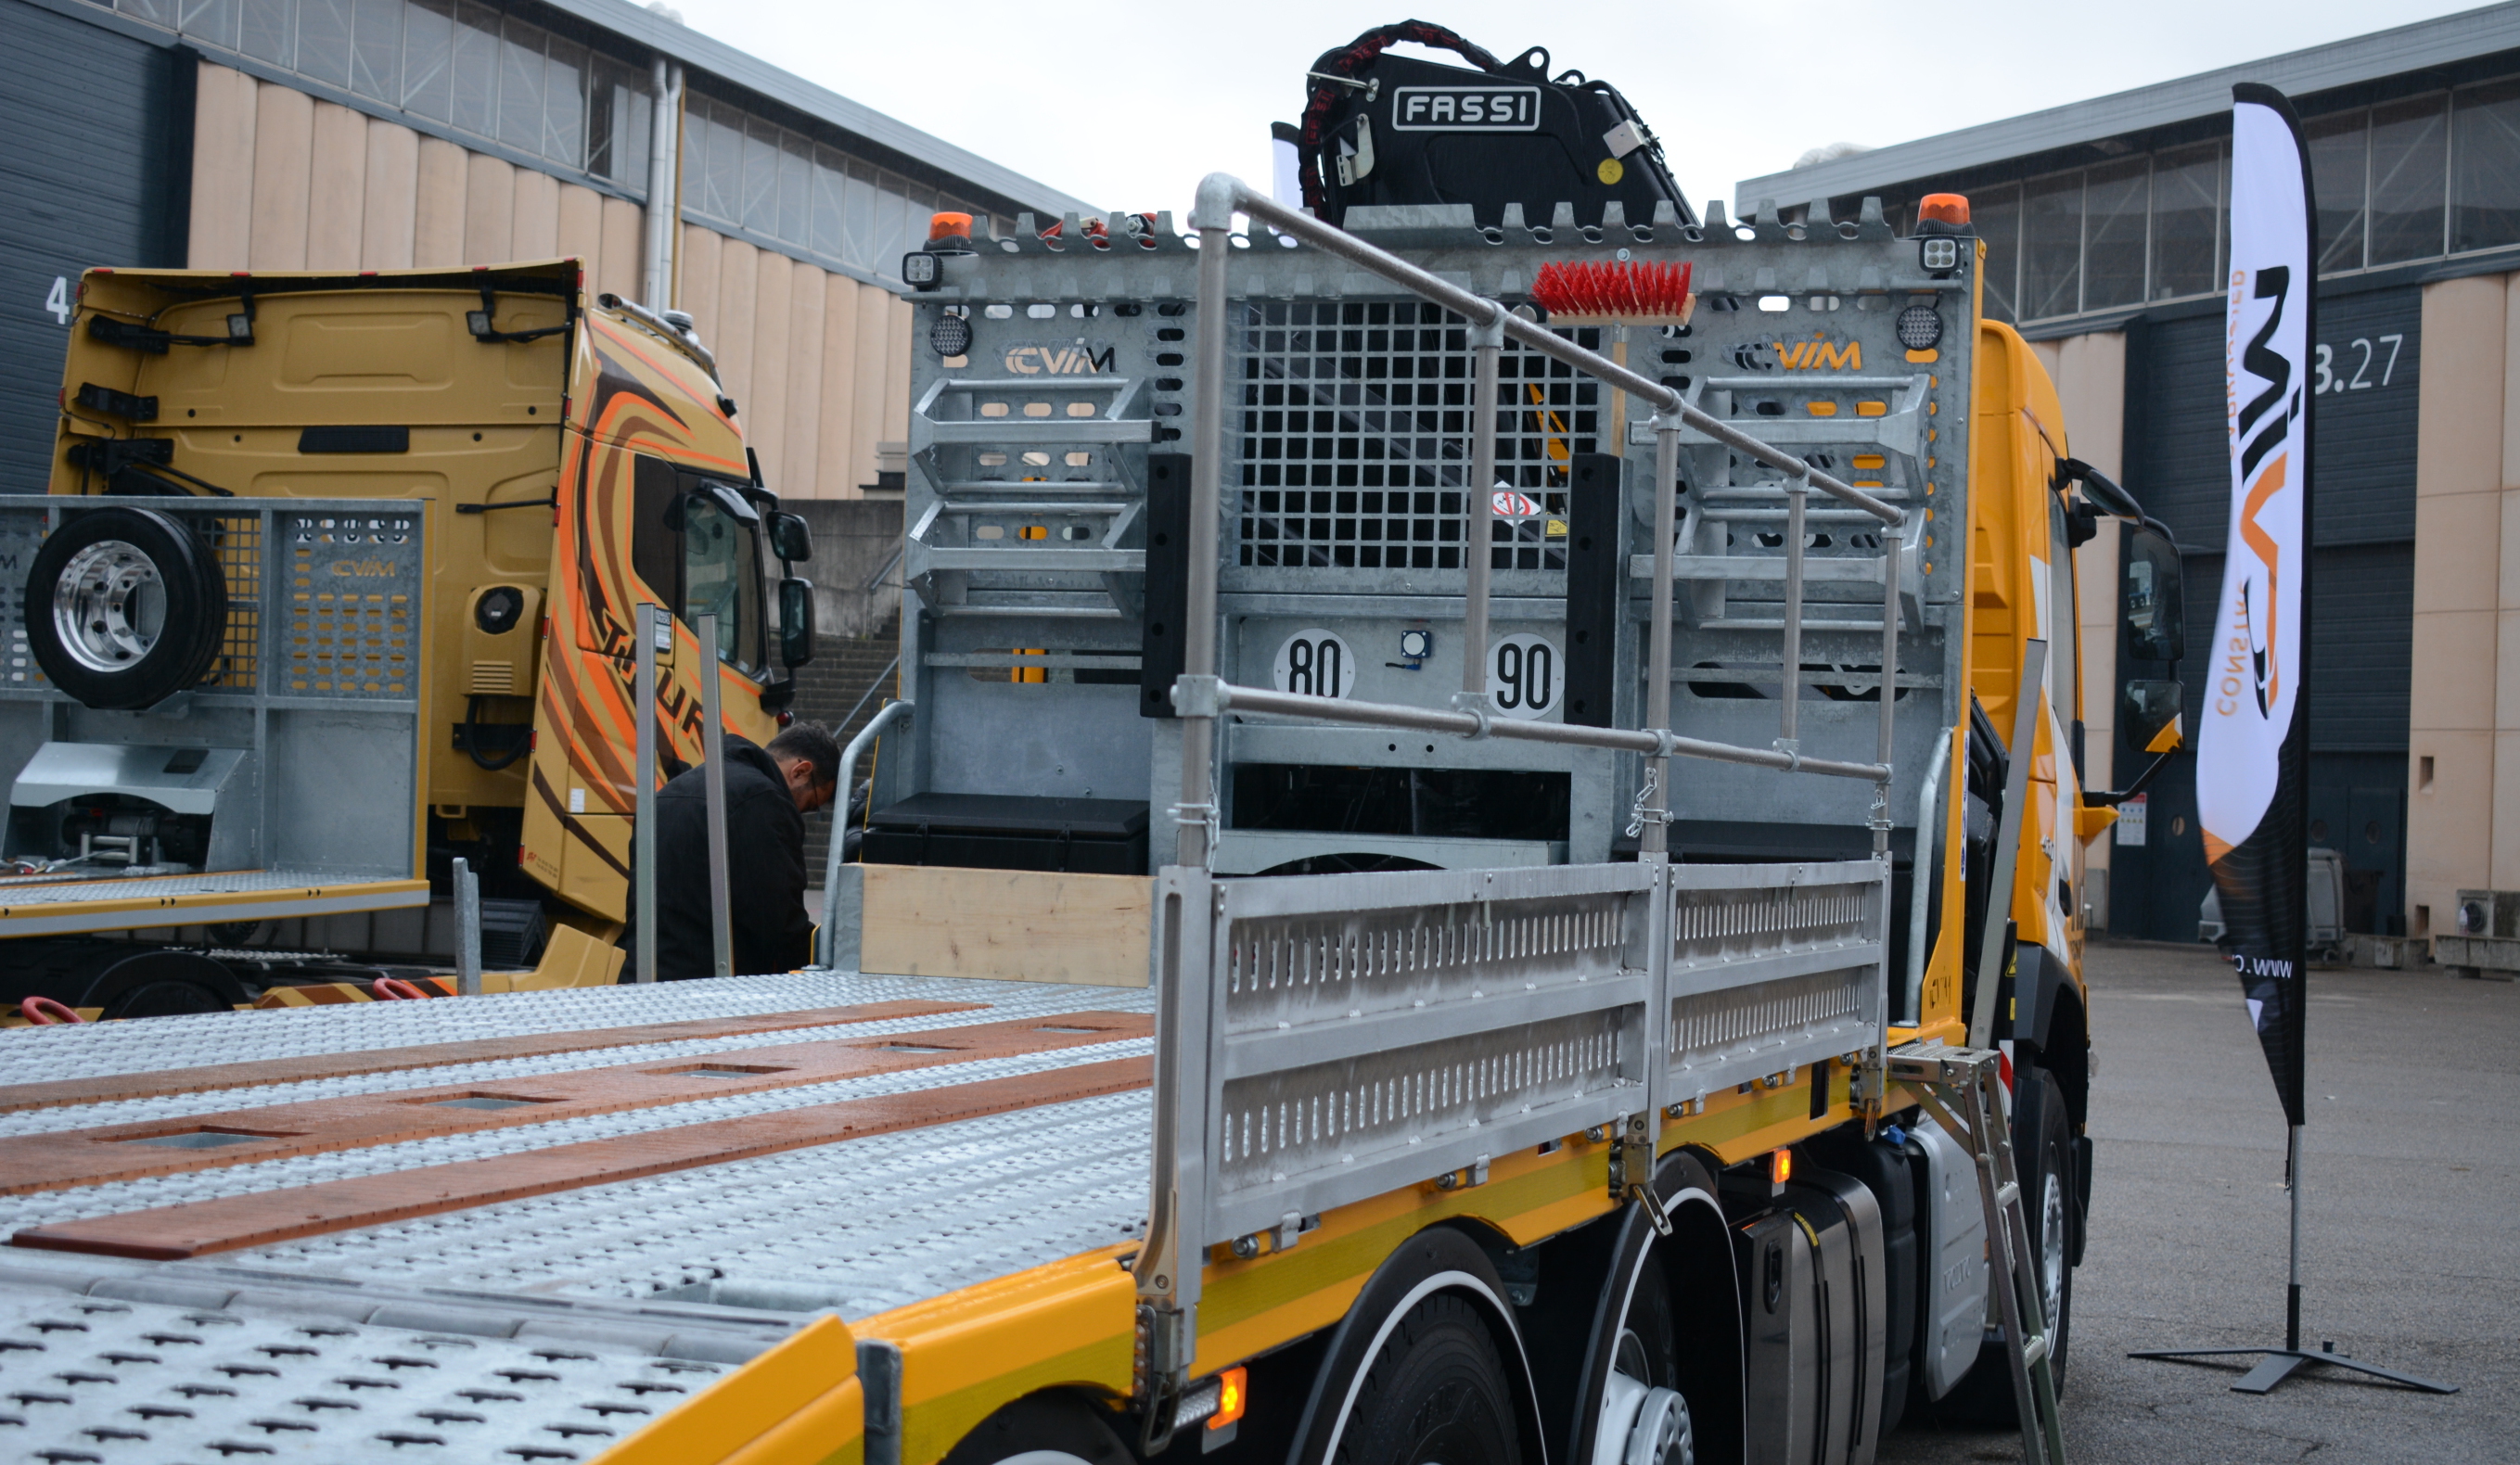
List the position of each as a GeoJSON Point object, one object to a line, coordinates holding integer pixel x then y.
{"type": "Point", "coordinates": [334, 585]}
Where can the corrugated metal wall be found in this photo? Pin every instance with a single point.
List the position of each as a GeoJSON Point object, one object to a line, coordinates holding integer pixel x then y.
{"type": "Point", "coordinates": [91, 124]}
{"type": "Point", "coordinates": [817, 362]}
{"type": "Point", "coordinates": [2363, 421]}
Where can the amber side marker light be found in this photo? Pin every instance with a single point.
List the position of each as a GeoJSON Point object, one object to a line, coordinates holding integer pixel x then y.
{"type": "Point", "coordinates": [1232, 1397]}
{"type": "Point", "coordinates": [1781, 1165]}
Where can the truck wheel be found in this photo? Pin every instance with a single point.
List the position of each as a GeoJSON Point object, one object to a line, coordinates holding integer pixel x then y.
{"type": "Point", "coordinates": [124, 608]}
{"type": "Point", "coordinates": [1436, 1395]}
{"type": "Point", "coordinates": [1046, 1429]}
{"type": "Point", "coordinates": [1645, 1420]}
{"type": "Point", "coordinates": [2046, 1142]}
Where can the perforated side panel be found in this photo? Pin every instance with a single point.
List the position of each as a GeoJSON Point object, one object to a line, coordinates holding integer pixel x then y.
{"type": "Point", "coordinates": [1342, 965]}
{"type": "Point", "coordinates": [22, 534]}
{"type": "Point", "coordinates": [353, 583]}
{"type": "Point", "coordinates": [1769, 976]}
{"type": "Point", "coordinates": [1291, 1121]}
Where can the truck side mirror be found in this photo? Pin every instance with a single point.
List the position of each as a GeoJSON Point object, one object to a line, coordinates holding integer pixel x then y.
{"type": "Point", "coordinates": [792, 539]}
{"type": "Point", "coordinates": [2150, 717]}
{"type": "Point", "coordinates": [2154, 600]}
{"type": "Point", "coordinates": [795, 621]}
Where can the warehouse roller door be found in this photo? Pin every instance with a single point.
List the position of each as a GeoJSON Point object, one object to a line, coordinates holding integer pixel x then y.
{"type": "Point", "coordinates": [95, 171]}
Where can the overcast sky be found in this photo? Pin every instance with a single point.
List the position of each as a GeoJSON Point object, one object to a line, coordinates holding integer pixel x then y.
{"type": "Point", "coordinates": [1127, 103]}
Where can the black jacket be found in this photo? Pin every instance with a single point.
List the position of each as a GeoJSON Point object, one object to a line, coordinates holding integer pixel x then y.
{"type": "Point", "coordinates": [765, 870]}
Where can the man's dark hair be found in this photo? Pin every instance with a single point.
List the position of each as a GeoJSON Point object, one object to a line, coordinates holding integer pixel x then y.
{"type": "Point", "coordinates": [805, 743]}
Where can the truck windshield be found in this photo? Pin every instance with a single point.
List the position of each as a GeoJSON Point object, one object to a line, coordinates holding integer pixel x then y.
{"type": "Point", "coordinates": [721, 574]}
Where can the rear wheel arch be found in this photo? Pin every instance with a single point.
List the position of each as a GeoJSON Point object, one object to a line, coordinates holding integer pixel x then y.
{"type": "Point", "coordinates": [1698, 1275]}
{"type": "Point", "coordinates": [1053, 1427]}
{"type": "Point", "coordinates": [1444, 1259]}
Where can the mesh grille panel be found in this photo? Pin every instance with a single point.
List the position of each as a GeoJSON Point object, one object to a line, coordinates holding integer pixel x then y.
{"type": "Point", "coordinates": [1355, 438]}
{"type": "Point", "coordinates": [238, 543]}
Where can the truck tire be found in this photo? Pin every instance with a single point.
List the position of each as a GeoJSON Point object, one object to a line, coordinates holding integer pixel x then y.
{"type": "Point", "coordinates": [1045, 1429]}
{"type": "Point", "coordinates": [1644, 1417]}
{"type": "Point", "coordinates": [124, 608]}
{"type": "Point", "coordinates": [2043, 1137]}
{"type": "Point", "coordinates": [1436, 1395]}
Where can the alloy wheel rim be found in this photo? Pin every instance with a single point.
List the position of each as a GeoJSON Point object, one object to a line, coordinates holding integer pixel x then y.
{"type": "Point", "coordinates": [109, 606]}
{"type": "Point", "coordinates": [2051, 1245]}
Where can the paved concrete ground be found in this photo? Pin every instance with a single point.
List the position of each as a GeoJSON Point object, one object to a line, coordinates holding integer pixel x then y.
{"type": "Point", "coordinates": [2411, 1230]}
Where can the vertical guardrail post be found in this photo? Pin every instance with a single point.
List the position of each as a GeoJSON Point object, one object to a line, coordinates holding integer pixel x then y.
{"type": "Point", "coordinates": [467, 929]}
{"type": "Point", "coordinates": [1187, 934]}
{"type": "Point", "coordinates": [1660, 897]}
{"type": "Point", "coordinates": [1789, 721]}
{"type": "Point", "coordinates": [1924, 867]}
{"type": "Point", "coordinates": [1873, 1080]}
{"type": "Point", "coordinates": [1195, 817]}
{"type": "Point", "coordinates": [648, 624]}
{"type": "Point", "coordinates": [1479, 504]}
{"type": "Point", "coordinates": [1654, 799]}
{"type": "Point", "coordinates": [827, 945]}
{"type": "Point", "coordinates": [713, 780]}
{"type": "Point", "coordinates": [1890, 546]}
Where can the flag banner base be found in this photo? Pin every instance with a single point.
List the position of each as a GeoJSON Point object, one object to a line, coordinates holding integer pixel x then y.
{"type": "Point", "coordinates": [2282, 1363]}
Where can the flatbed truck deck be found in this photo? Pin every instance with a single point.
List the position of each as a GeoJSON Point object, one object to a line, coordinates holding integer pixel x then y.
{"type": "Point", "coordinates": [673, 1279]}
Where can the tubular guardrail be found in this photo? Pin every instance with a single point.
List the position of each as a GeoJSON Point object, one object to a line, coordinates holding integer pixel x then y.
{"type": "Point", "coordinates": [1324, 1039]}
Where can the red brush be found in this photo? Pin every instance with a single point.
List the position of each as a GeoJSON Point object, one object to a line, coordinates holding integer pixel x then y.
{"type": "Point", "coordinates": [1634, 293]}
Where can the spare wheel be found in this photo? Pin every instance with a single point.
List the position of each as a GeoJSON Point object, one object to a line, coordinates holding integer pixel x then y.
{"type": "Point", "coordinates": [124, 608]}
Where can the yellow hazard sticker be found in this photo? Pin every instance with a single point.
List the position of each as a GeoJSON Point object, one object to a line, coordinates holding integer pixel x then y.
{"type": "Point", "coordinates": [1556, 528]}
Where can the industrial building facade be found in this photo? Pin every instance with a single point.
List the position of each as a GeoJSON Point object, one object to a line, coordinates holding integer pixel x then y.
{"type": "Point", "coordinates": [2104, 224]}
{"type": "Point", "coordinates": [383, 134]}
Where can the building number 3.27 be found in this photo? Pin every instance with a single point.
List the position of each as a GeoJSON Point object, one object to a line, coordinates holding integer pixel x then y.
{"type": "Point", "coordinates": [2355, 374]}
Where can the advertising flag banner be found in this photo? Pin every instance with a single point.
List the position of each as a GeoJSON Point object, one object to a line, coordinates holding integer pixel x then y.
{"type": "Point", "coordinates": [2252, 745]}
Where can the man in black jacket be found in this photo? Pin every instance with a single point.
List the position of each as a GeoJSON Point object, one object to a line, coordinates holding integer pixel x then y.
{"type": "Point", "coordinates": [768, 791]}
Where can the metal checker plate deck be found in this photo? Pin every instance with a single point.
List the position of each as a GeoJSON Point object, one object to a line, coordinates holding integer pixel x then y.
{"type": "Point", "coordinates": [103, 1381]}
{"type": "Point", "coordinates": [859, 1226]}
{"type": "Point", "coordinates": [161, 887]}
{"type": "Point", "coordinates": [118, 1197]}
{"type": "Point", "coordinates": [1045, 1003]}
{"type": "Point", "coordinates": [35, 1055]}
